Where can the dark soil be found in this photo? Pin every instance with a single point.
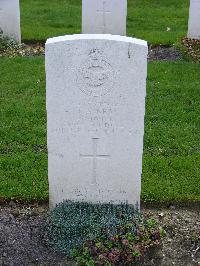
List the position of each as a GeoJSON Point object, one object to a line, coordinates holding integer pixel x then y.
{"type": "Point", "coordinates": [37, 49]}
{"type": "Point", "coordinates": [164, 53]}
{"type": "Point", "coordinates": [20, 240]}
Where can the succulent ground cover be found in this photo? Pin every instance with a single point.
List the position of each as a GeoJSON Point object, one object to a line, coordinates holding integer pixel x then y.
{"type": "Point", "coordinates": [105, 234]}
{"type": "Point", "coordinates": [7, 44]}
{"type": "Point", "coordinates": [70, 224]}
{"type": "Point", "coordinates": [125, 247]}
{"type": "Point", "coordinates": [10, 48]}
{"type": "Point", "coordinates": [192, 48]}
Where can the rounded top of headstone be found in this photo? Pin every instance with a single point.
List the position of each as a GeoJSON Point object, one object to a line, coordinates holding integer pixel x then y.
{"type": "Point", "coordinates": [108, 37]}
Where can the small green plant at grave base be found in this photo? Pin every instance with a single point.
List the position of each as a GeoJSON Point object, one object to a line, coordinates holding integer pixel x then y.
{"type": "Point", "coordinates": [196, 238]}
{"type": "Point", "coordinates": [7, 43]}
{"type": "Point", "coordinates": [100, 234]}
{"type": "Point", "coordinates": [70, 224]}
{"type": "Point", "coordinates": [124, 248]}
{"type": "Point", "coordinates": [192, 48]}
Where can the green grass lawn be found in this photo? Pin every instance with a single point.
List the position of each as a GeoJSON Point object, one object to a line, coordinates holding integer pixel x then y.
{"type": "Point", "coordinates": [147, 19]}
{"type": "Point", "coordinates": [23, 131]}
{"type": "Point", "coordinates": [171, 166]}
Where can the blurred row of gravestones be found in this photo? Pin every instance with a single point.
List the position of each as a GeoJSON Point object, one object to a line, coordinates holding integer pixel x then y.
{"type": "Point", "coordinates": [98, 16]}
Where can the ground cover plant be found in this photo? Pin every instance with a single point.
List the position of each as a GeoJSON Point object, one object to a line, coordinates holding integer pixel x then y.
{"type": "Point", "coordinates": [8, 44]}
{"type": "Point", "coordinates": [105, 234]}
{"type": "Point", "coordinates": [171, 164]}
{"type": "Point", "coordinates": [10, 48]}
{"type": "Point", "coordinates": [192, 48]}
{"type": "Point", "coordinates": [23, 222]}
{"type": "Point", "coordinates": [158, 22]}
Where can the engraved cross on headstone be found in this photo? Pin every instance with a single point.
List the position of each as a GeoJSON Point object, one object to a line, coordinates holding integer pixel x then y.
{"type": "Point", "coordinates": [103, 12]}
{"type": "Point", "coordinates": [94, 157]}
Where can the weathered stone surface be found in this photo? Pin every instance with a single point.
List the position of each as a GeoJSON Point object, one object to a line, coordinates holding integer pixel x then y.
{"type": "Point", "coordinates": [96, 87]}
{"type": "Point", "coordinates": [104, 16]}
{"type": "Point", "coordinates": [194, 20]}
{"type": "Point", "coordinates": [10, 19]}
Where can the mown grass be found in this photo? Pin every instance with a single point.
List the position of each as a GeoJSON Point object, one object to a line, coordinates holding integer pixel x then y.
{"type": "Point", "coordinates": [23, 131]}
{"type": "Point", "coordinates": [171, 166]}
{"type": "Point", "coordinates": [157, 21]}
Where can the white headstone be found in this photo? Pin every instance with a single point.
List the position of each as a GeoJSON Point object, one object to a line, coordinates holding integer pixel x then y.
{"type": "Point", "coordinates": [104, 16]}
{"type": "Point", "coordinates": [10, 19]}
{"type": "Point", "coordinates": [194, 20]}
{"type": "Point", "coordinates": [96, 87]}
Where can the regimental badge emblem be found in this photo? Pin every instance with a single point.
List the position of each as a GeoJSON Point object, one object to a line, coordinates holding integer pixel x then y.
{"type": "Point", "coordinates": [96, 75]}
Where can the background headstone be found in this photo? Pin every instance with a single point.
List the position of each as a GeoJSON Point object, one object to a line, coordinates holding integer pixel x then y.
{"type": "Point", "coordinates": [96, 87]}
{"type": "Point", "coordinates": [194, 20]}
{"type": "Point", "coordinates": [104, 16]}
{"type": "Point", "coordinates": [10, 19]}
